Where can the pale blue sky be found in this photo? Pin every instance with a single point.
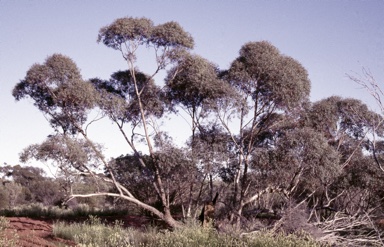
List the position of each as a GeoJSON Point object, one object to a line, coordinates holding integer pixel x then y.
{"type": "Point", "coordinates": [329, 38]}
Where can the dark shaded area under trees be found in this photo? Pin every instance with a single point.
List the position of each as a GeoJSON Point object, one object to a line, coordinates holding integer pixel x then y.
{"type": "Point", "coordinates": [254, 135]}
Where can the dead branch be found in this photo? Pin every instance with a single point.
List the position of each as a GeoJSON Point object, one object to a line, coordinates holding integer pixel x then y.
{"type": "Point", "coordinates": [350, 230]}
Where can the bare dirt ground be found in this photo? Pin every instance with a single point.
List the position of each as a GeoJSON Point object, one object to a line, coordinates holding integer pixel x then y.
{"type": "Point", "coordinates": [34, 233]}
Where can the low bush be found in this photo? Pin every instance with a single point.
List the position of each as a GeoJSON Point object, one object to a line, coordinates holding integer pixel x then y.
{"type": "Point", "coordinates": [37, 210]}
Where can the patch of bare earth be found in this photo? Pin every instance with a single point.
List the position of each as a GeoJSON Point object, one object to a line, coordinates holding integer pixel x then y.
{"type": "Point", "coordinates": [33, 233]}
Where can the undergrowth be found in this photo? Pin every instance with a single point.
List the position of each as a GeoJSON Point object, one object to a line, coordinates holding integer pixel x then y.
{"type": "Point", "coordinates": [37, 210]}
{"type": "Point", "coordinates": [93, 232]}
{"type": "Point", "coordinates": [7, 238]}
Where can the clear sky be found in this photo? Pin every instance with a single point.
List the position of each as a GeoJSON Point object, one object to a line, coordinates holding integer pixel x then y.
{"type": "Point", "coordinates": [329, 38]}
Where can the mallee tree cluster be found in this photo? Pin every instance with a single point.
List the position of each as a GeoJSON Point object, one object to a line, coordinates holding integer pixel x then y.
{"type": "Point", "coordinates": [255, 137]}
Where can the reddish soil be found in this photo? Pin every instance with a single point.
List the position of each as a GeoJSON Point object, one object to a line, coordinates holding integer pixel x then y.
{"type": "Point", "coordinates": [34, 233]}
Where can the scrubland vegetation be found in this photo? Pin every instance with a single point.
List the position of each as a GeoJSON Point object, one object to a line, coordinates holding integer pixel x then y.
{"type": "Point", "coordinates": [91, 228]}
{"type": "Point", "coordinates": [95, 233]}
{"type": "Point", "coordinates": [286, 169]}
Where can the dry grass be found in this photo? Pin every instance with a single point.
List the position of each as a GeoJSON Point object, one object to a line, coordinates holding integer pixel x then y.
{"type": "Point", "coordinates": [8, 238]}
{"type": "Point", "coordinates": [95, 233]}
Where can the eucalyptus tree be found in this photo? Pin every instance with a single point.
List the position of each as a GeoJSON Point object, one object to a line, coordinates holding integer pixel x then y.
{"type": "Point", "coordinates": [270, 87]}
{"type": "Point", "coordinates": [349, 126]}
{"type": "Point", "coordinates": [213, 151]}
{"type": "Point", "coordinates": [176, 171]}
{"type": "Point", "coordinates": [54, 87]}
{"type": "Point", "coordinates": [130, 97]}
{"type": "Point", "coordinates": [193, 85]}
{"type": "Point", "coordinates": [32, 184]}
{"type": "Point", "coordinates": [372, 86]}
{"type": "Point", "coordinates": [304, 163]}
{"type": "Point", "coordinates": [137, 97]}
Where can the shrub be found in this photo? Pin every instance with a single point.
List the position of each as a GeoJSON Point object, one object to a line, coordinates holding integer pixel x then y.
{"type": "Point", "coordinates": [93, 233]}
{"type": "Point", "coordinates": [37, 210]}
{"type": "Point", "coordinates": [7, 238]}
